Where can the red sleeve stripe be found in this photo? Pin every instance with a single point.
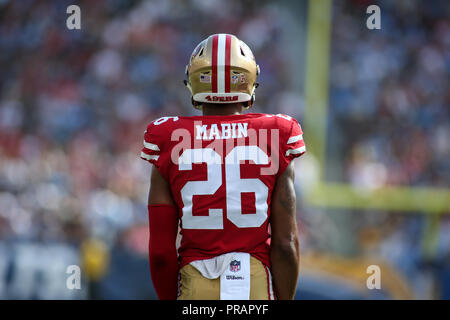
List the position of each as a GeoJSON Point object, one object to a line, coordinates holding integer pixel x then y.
{"type": "Point", "coordinates": [295, 139]}
{"type": "Point", "coordinates": [296, 151]}
{"type": "Point", "coordinates": [227, 63]}
{"type": "Point", "coordinates": [149, 156]}
{"type": "Point", "coordinates": [215, 40]}
{"type": "Point", "coordinates": [151, 146]}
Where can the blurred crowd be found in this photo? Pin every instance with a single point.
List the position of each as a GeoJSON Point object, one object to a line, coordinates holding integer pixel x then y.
{"type": "Point", "coordinates": [389, 94]}
{"type": "Point", "coordinates": [389, 125]}
{"type": "Point", "coordinates": [74, 105]}
{"type": "Point", "coordinates": [389, 112]}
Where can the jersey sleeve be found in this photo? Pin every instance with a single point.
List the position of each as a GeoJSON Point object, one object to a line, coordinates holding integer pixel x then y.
{"type": "Point", "coordinates": [294, 145]}
{"type": "Point", "coordinates": [152, 145]}
{"type": "Point", "coordinates": [157, 145]}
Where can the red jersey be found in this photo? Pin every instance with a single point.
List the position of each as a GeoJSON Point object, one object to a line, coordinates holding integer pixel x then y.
{"type": "Point", "coordinates": [222, 171]}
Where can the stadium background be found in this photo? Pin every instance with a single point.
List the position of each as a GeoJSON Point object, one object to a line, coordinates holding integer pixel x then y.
{"type": "Point", "coordinates": [374, 105]}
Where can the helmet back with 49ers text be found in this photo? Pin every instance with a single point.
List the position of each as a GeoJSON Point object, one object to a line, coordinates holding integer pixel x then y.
{"type": "Point", "coordinates": [222, 69]}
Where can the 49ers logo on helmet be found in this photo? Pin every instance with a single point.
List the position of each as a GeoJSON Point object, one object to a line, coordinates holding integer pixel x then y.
{"type": "Point", "coordinates": [222, 99]}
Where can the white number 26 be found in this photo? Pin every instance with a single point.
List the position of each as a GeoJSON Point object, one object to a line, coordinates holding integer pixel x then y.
{"type": "Point", "coordinates": [235, 185]}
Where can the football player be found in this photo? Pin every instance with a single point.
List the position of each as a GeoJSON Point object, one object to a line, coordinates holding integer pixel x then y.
{"type": "Point", "coordinates": [226, 178]}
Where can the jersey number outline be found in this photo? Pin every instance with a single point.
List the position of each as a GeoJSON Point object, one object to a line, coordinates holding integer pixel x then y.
{"type": "Point", "coordinates": [235, 185]}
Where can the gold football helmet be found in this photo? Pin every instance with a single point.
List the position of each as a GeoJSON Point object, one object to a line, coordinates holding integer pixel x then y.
{"type": "Point", "coordinates": [222, 69]}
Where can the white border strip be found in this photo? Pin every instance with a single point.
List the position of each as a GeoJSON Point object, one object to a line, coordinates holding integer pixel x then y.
{"type": "Point", "coordinates": [296, 151]}
{"type": "Point", "coordinates": [221, 47]}
{"type": "Point", "coordinates": [151, 146]}
{"type": "Point", "coordinates": [270, 284]}
{"type": "Point", "coordinates": [295, 139]}
{"type": "Point", "coordinates": [148, 156]}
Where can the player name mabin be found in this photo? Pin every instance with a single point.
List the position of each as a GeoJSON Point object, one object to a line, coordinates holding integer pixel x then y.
{"type": "Point", "coordinates": [226, 131]}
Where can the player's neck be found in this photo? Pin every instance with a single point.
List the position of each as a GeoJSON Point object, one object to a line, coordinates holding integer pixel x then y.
{"type": "Point", "coordinates": [215, 109]}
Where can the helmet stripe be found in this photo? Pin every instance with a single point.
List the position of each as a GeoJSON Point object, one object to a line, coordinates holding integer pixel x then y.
{"type": "Point", "coordinates": [221, 63]}
{"type": "Point", "coordinates": [227, 63]}
{"type": "Point", "coordinates": [214, 63]}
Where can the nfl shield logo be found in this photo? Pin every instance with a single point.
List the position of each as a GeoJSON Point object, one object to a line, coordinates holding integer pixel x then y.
{"type": "Point", "coordinates": [235, 266]}
{"type": "Point", "coordinates": [205, 78]}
